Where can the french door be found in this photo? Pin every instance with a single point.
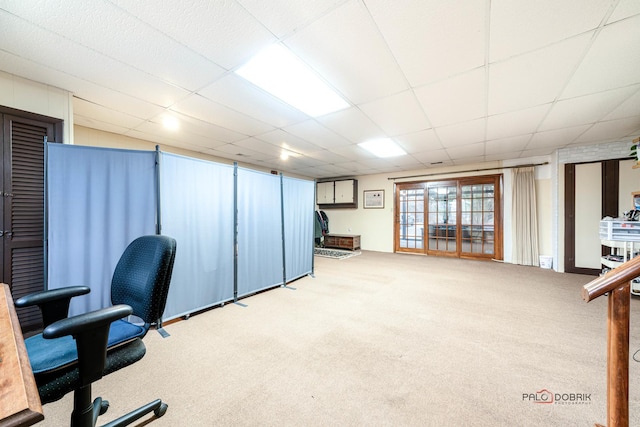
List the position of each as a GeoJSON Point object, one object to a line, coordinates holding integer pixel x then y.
{"type": "Point", "coordinates": [458, 217]}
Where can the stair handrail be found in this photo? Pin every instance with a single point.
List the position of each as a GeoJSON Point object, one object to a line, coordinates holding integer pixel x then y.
{"type": "Point", "coordinates": [617, 284]}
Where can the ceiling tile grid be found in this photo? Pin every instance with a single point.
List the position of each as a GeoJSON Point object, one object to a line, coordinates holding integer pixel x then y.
{"type": "Point", "coordinates": [451, 82]}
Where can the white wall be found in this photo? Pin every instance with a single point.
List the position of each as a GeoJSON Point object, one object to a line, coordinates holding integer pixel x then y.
{"type": "Point", "coordinates": [27, 95]}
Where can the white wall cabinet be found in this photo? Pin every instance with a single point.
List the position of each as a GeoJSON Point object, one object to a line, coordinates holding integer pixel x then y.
{"type": "Point", "coordinates": [340, 193]}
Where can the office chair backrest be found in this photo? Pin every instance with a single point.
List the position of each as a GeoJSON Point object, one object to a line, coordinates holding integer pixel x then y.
{"type": "Point", "coordinates": [142, 276]}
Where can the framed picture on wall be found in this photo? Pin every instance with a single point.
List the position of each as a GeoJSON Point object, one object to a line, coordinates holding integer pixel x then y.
{"type": "Point", "coordinates": [374, 199]}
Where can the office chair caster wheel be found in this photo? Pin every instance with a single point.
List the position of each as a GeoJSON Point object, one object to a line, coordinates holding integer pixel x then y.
{"type": "Point", "coordinates": [161, 410]}
{"type": "Point", "coordinates": [104, 405]}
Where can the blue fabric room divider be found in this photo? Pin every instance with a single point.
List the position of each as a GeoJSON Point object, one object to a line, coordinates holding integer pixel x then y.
{"type": "Point", "coordinates": [197, 210]}
{"type": "Point", "coordinates": [99, 200]}
{"type": "Point", "coordinates": [298, 218]}
{"type": "Point", "coordinates": [260, 260]}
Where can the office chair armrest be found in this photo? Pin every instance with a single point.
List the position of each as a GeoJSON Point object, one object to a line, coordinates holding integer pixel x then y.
{"type": "Point", "coordinates": [54, 303]}
{"type": "Point", "coordinates": [91, 332]}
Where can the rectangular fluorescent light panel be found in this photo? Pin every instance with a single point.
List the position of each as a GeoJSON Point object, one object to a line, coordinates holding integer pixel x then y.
{"type": "Point", "coordinates": [276, 70]}
{"type": "Point", "coordinates": [383, 147]}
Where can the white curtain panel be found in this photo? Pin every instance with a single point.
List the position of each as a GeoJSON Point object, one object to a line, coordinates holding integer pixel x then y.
{"type": "Point", "coordinates": [299, 205]}
{"type": "Point", "coordinates": [260, 258]}
{"type": "Point", "coordinates": [524, 217]}
{"type": "Point", "coordinates": [98, 201]}
{"type": "Point", "coordinates": [196, 199]}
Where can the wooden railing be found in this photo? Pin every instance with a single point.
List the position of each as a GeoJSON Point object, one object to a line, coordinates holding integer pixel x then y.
{"type": "Point", "coordinates": [617, 283]}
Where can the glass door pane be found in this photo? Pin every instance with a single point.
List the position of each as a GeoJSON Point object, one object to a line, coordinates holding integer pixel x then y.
{"type": "Point", "coordinates": [477, 219]}
{"type": "Point", "coordinates": [411, 219]}
{"type": "Point", "coordinates": [442, 217]}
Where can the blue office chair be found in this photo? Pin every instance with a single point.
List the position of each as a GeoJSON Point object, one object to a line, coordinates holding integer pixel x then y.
{"type": "Point", "coordinates": [72, 353]}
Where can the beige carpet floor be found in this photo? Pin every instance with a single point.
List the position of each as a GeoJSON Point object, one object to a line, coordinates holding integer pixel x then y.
{"type": "Point", "coordinates": [383, 340]}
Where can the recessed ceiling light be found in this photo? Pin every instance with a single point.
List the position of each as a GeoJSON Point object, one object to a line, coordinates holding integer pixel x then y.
{"type": "Point", "coordinates": [383, 147]}
{"type": "Point", "coordinates": [284, 155]}
{"type": "Point", "coordinates": [170, 123]}
{"type": "Point", "coordinates": [277, 71]}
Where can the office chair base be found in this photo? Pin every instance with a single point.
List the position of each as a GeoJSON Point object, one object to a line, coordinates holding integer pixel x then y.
{"type": "Point", "coordinates": [158, 407]}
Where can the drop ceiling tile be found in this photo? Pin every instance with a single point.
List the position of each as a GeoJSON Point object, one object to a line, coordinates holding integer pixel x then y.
{"type": "Point", "coordinates": [529, 80]}
{"type": "Point", "coordinates": [610, 131]}
{"type": "Point", "coordinates": [196, 126]}
{"type": "Point", "coordinates": [109, 30]}
{"type": "Point", "coordinates": [242, 153]}
{"type": "Point", "coordinates": [629, 108]}
{"type": "Point", "coordinates": [460, 152]}
{"type": "Point", "coordinates": [556, 138]}
{"type": "Point", "coordinates": [222, 31]}
{"type": "Point", "coordinates": [625, 9]}
{"type": "Point", "coordinates": [457, 99]}
{"type": "Point", "coordinates": [44, 47]}
{"type": "Point", "coordinates": [397, 114]}
{"type": "Point", "coordinates": [584, 109]}
{"type": "Point", "coordinates": [317, 134]}
{"type": "Point", "coordinates": [82, 108]}
{"type": "Point", "coordinates": [519, 26]}
{"type": "Point", "coordinates": [288, 141]}
{"type": "Point", "coordinates": [544, 151]}
{"type": "Point", "coordinates": [502, 156]}
{"type": "Point", "coordinates": [432, 39]}
{"type": "Point", "coordinates": [462, 133]}
{"type": "Point", "coordinates": [93, 123]}
{"type": "Point", "coordinates": [419, 141]}
{"type": "Point", "coordinates": [433, 157]}
{"type": "Point", "coordinates": [255, 144]}
{"type": "Point", "coordinates": [469, 160]}
{"type": "Point", "coordinates": [510, 145]}
{"type": "Point", "coordinates": [238, 94]}
{"type": "Point", "coordinates": [515, 123]}
{"type": "Point", "coordinates": [614, 54]}
{"type": "Point", "coordinates": [353, 152]}
{"type": "Point", "coordinates": [345, 48]}
{"type": "Point", "coordinates": [328, 157]}
{"type": "Point", "coordinates": [352, 124]}
{"type": "Point", "coordinates": [212, 112]}
{"type": "Point", "coordinates": [285, 16]}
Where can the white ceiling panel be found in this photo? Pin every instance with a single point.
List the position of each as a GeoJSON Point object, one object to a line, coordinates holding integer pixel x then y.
{"type": "Point", "coordinates": [466, 151]}
{"type": "Point", "coordinates": [462, 133]}
{"type": "Point", "coordinates": [628, 108]}
{"type": "Point", "coordinates": [488, 80]}
{"type": "Point", "coordinates": [352, 124]}
{"type": "Point", "coordinates": [433, 157]}
{"type": "Point", "coordinates": [212, 112]}
{"type": "Point", "coordinates": [519, 26]}
{"type": "Point", "coordinates": [584, 109]}
{"type": "Point", "coordinates": [346, 48]}
{"type": "Point", "coordinates": [120, 36]}
{"type": "Point", "coordinates": [221, 30]}
{"type": "Point", "coordinates": [514, 144]}
{"type": "Point", "coordinates": [620, 64]}
{"type": "Point", "coordinates": [625, 9]}
{"type": "Point", "coordinates": [240, 95]}
{"type": "Point", "coordinates": [515, 123]}
{"type": "Point", "coordinates": [432, 39]}
{"type": "Point", "coordinates": [288, 141]}
{"type": "Point", "coordinates": [106, 115]}
{"type": "Point", "coordinates": [419, 141]}
{"type": "Point", "coordinates": [611, 130]}
{"type": "Point", "coordinates": [557, 138]}
{"type": "Point", "coordinates": [317, 134]}
{"type": "Point", "coordinates": [283, 17]}
{"type": "Point", "coordinates": [457, 99]}
{"type": "Point", "coordinates": [534, 78]}
{"type": "Point", "coordinates": [397, 114]}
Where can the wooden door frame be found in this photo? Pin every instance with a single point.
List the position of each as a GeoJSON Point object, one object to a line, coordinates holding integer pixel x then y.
{"type": "Point", "coordinates": [496, 179]}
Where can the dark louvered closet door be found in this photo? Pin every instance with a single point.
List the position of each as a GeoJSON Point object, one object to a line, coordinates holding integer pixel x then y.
{"type": "Point", "coordinates": [23, 210]}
